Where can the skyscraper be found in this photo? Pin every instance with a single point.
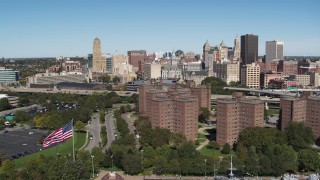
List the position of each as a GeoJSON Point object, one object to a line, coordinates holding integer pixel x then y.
{"type": "Point", "coordinates": [236, 48]}
{"type": "Point", "coordinates": [98, 61]}
{"type": "Point", "coordinates": [274, 50]}
{"type": "Point", "coordinates": [249, 48]}
{"type": "Point", "coordinates": [208, 58]}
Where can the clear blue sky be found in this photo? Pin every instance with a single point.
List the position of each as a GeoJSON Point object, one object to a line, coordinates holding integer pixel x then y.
{"type": "Point", "coordinates": [42, 28]}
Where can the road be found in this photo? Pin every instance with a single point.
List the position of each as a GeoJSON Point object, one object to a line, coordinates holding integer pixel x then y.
{"type": "Point", "coordinates": [94, 130]}
{"type": "Point", "coordinates": [26, 108]}
{"type": "Point", "coordinates": [109, 121]}
{"type": "Point", "coordinates": [65, 91]}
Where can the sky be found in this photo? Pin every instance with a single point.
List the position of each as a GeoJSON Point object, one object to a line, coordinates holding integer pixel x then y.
{"type": "Point", "coordinates": [51, 28]}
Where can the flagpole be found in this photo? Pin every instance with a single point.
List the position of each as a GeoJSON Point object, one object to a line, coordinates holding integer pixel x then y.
{"type": "Point", "coordinates": [74, 158]}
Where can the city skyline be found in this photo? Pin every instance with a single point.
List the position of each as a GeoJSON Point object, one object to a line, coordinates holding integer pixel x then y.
{"type": "Point", "coordinates": [67, 28]}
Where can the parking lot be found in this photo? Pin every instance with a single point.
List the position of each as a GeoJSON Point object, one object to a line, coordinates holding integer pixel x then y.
{"type": "Point", "coordinates": [20, 142]}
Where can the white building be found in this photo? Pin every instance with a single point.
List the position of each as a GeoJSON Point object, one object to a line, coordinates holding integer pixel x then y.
{"type": "Point", "coordinates": [55, 78]}
{"type": "Point", "coordinates": [192, 66]}
{"type": "Point", "coordinates": [314, 79]}
{"type": "Point", "coordinates": [227, 71]}
{"type": "Point", "coordinates": [303, 79]}
{"type": "Point", "coordinates": [171, 73]}
{"type": "Point", "coordinates": [274, 50]}
{"type": "Point", "coordinates": [152, 71]}
{"type": "Point", "coordinates": [250, 75]}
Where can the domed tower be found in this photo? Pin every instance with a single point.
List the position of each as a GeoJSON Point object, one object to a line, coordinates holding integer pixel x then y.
{"type": "Point", "coordinates": [206, 47]}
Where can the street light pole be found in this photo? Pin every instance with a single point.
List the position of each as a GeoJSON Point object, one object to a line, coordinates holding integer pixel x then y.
{"type": "Point", "coordinates": [92, 166]}
{"type": "Point", "coordinates": [142, 163]}
{"type": "Point", "coordinates": [205, 168]}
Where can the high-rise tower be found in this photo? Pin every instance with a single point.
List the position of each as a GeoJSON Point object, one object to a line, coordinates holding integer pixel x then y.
{"type": "Point", "coordinates": [274, 50]}
{"type": "Point", "coordinates": [236, 49]}
{"type": "Point", "coordinates": [208, 58]}
{"type": "Point", "coordinates": [98, 61]}
{"type": "Point", "coordinates": [249, 49]}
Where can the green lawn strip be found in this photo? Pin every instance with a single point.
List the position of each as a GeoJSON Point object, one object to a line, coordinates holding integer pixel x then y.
{"type": "Point", "coordinates": [62, 148]}
{"type": "Point", "coordinates": [201, 140]}
{"type": "Point", "coordinates": [213, 152]}
{"type": "Point", "coordinates": [273, 111]}
{"type": "Point", "coordinates": [202, 136]}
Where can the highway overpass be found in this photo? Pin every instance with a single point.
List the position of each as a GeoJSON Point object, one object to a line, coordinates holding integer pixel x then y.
{"type": "Point", "coordinates": [65, 91]}
{"type": "Point", "coordinates": [273, 91]}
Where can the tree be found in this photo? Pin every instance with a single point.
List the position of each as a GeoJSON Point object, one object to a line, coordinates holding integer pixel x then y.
{"type": "Point", "coordinates": [7, 168]}
{"type": "Point", "coordinates": [309, 160]}
{"type": "Point", "coordinates": [179, 53]}
{"type": "Point", "coordinates": [79, 126]}
{"type": "Point", "coordinates": [299, 136]}
{"type": "Point", "coordinates": [116, 80]}
{"type": "Point", "coordinates": [132, 163]}
{"type": "Point", "coordinates": [105, 79]}
{"type": "Point", "coordinates": [21, 116]}
{"type": "Point", "coordinates": [251, 163]}
{"type": "Point", "coordinates": [205, 113]}
{"type": "Point", "coordinates": [213, 145]}
{"type": "Point", "coordinates": [226, 149]}
{"type": "Point", "coordinates": [4, 104]}
{"type": "Point", "coordinates": [102, 116]}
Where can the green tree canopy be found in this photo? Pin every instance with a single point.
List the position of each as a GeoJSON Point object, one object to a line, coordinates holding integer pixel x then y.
{"type": "Point", "coordinates": [4, 104]}
{"type": "Point", "coordinates": [299, 136]}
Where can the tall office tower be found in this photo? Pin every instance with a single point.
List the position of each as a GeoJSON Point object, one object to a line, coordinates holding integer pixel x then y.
{"type": "Point", "coordinates": [235, 115]}
{"type": "Point", "coordinates": [274, 50]}
{"type": "Point", "coordinates": [137, 58]}
{"type": "Point", "coordinates": [208, 58]}
{"type": "Point", "coordinates": [250, 75]}
{"type": "Point", "coordinates": [236, 49]}
{"type": "Point", "coordinates": [98, 61]}
{"type": "Point", "coordinates": [249, 48]}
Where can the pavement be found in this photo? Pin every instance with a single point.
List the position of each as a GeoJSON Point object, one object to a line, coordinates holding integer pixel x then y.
{"type": "Point", "coordinates": [153, 177]}
{"type": "Point", "coordinates": [94, 130]}
{"type": "Point", "coordinates": [18, 142]}
{"type": "Point", "coordinates": [26, 108]}
{"type": "Point", "coordinates": [109, 122]}
{"type": "Point", "coordinates": [202, 131]}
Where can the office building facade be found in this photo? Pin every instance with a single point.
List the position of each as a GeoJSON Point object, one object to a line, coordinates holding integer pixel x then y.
{"type": "Point", "coordinates": [8, 76]}
{"type": "Point", "coordinates": [249, 48]}
{"type": "Point", "coordinates": [274, 50]}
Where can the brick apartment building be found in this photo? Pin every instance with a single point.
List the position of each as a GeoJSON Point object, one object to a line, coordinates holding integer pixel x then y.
{"type": "Point", "coordinates": [236, 114]}
{"type": "Point", "coordinates": [304, 109]}
{"type": "Point", "coordinates": [173, 107]}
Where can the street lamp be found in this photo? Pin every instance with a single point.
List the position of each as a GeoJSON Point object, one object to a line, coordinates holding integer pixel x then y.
{"type": "Point", "coordinates": [141, 149]}
{"type": "Point", "coordinates": [205, 168]}
{"type": "Point", "coordinates": [92, 166]}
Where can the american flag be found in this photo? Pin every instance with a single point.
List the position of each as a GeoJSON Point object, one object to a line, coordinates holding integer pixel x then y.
{"type": "Point", "coordinates": [59, 135]}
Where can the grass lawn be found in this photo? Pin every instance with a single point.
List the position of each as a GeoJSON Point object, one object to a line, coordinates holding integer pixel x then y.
{"type": "Point", "coordinates": [202, 136]}
{"type": "Point", "coordinates": [62, 148]}
{"type": "Point", "coordinates": [273, 111]}
{"type": "Point", "coordinates": [213, 152]}
{"type": "Point", "coordinates": [201, 140]}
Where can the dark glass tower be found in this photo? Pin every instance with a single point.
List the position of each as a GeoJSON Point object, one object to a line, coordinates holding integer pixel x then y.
{"type": "Point", "coordinates": [249, 48]}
